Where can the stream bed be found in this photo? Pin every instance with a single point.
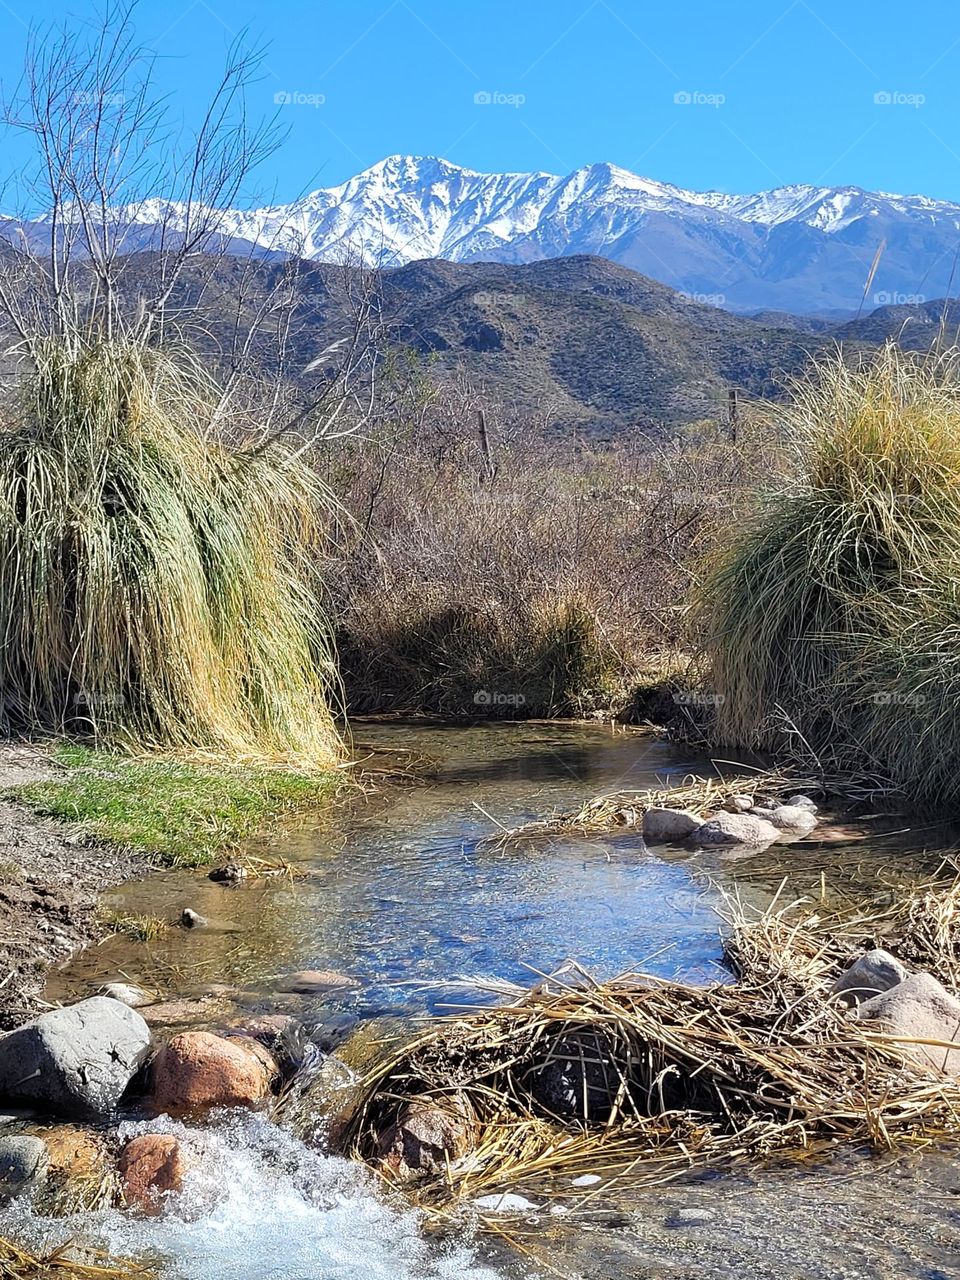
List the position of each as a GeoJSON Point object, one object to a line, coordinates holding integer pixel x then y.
{"type": "Point", "coordinates": [401, 892]}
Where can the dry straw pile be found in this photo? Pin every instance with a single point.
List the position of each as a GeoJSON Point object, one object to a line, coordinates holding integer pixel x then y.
{"type": "Point", "coordinates": [663, 1078]}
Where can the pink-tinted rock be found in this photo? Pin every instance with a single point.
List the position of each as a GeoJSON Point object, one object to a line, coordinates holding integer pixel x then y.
{"type": "Point", "coordinates": [196, 1070]}
{"type": "Point", "coordinates": [149, 1166]}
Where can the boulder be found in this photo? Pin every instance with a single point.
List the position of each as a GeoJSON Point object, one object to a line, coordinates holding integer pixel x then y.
{"type": "Point", "coordinates": [578, 1080]}
{"type": "Point", "coordinates": [151, 1165]}
{"type": "Point", "coordinates": [315, 982]}
{"type": "Point", "coordinates": [428, 1135]}
{"type": "Point", "coordinates": [662, 825]}
{"type": "Point", "coordinates": [736, 828]}
{"type": "Point", "coordinates": [127, 993]}
{"type": "Point", "coordinates": [196, 1070]}
{"type": "Point", "coordinates": [789, 817]}
{"type": "Point", "coordinates": [868, 976]}
{"type": "Point", "coordinates": [738, 804]}
{"type": "Point", "coordinates": [76, 1061]}
{"type": "Point", "coordinates": [919, 1008]}
{"type": "Point", "coordinates": [23, 1166]}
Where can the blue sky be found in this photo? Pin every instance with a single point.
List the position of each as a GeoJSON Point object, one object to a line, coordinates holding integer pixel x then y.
{"type": "Point", "coordinates": [865, 92]}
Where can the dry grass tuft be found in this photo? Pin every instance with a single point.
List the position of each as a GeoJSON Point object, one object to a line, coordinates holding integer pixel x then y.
{"type": "Point", "coordinates": [67, 1261]}
{"type": "Point", "coordinates": [831, 614]}
{"type": "Point", "coordinates": [154, 582]}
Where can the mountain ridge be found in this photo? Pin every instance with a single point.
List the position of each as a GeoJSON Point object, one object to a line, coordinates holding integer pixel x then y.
{"type": "Point", "coordinates": [801, 248]}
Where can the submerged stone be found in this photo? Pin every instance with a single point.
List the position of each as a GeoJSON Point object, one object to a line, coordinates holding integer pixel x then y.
{"type": "Point", "coordinates": [23, 1166]}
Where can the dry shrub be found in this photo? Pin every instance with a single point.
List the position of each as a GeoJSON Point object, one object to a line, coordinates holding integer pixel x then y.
{"type": "Point", "coordinates": [551, 576]}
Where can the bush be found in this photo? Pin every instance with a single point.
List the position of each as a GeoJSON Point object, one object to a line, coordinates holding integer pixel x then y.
{"type": "Point", "coordinates": [153, 583]}
{"type": "Point", "coordinates": [549, 576]}
{"type": "Point", "coordinates": [831, 620]}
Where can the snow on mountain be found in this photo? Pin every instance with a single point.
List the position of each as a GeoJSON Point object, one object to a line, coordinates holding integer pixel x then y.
{"type": "Point", "coordinates": [797, 248]}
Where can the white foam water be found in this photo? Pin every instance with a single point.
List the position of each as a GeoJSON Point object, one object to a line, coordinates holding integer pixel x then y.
{"type": "Point", "coordinates": [259, 1203]}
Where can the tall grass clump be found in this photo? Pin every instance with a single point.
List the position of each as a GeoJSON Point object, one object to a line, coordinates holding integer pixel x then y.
{"type": "Point", "coordinates": [831, 619]}
{"type": "Point", "coordinates": [154, 584]}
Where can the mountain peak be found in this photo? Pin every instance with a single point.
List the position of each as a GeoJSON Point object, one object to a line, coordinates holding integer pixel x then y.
{"type": "Point", "coordinates": [794, 248]}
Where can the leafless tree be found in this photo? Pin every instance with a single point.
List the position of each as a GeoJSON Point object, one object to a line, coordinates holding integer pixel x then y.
{"type": "Point", "coordinates": [113, 174]}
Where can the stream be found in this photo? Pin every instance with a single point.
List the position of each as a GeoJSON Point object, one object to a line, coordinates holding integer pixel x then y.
{"type": "Point", "coordinates": [400, 891]}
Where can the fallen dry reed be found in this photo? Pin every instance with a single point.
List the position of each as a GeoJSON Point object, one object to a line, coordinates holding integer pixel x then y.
{"type": "Point", "coordinates": [20, 1264]}
{"type": "Point", "coordinates": [658, 1079]}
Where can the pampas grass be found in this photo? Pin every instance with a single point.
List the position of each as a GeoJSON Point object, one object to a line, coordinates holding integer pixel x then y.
{"type": "Point", "coordinates": [831, 620]}
{"type": "Point", "coordinates": [154, 583]}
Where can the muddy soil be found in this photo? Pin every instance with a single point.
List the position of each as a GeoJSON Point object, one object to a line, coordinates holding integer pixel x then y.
{"type": "Point", "coordinates": [49, 882]}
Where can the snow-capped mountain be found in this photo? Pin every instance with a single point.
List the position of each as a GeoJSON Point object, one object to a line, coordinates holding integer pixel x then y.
{"type": "Point", "coordinates": [796, 248]}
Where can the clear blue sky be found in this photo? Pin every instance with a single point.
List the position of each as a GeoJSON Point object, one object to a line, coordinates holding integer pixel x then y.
{"type": "Point", "coordinates": [788, 87]}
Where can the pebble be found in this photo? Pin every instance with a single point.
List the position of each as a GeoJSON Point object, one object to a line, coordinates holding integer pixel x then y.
{"type": "Point", "coordinates": [192, 919]}
{"type": "Point", "coordinates": [586, 1180]}
{"type": "Point", "coordinates": [127, 993]}
{"type": "Point", "coordinates": [691, 1217]}
{"type": "Point", "coordinates": [505, 1203]}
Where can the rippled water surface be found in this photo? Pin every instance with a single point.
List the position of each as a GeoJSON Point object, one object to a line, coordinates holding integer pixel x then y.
{"type": "Point", "coordinates": [403, 892]}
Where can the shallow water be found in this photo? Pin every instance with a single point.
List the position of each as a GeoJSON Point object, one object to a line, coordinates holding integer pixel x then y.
{"type": "Point", "coordinates": [398, 894]}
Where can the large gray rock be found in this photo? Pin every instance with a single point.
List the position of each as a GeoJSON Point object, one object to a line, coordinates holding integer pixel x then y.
{"type": "Point", "coordinates": [662, 825]}
{"type": "Point", "coordinates": [736, 828]}
{"type": "Point", "coordinates": [919, 1008]}
{"type": "Point", "coordinates": [797, 819]}
{"type": "Point", "coordinates": [23, 1165]}
{"type": "Point", "coordinates": [872, 973]}
{"type": "Point", "coordinates": [75, 1061]}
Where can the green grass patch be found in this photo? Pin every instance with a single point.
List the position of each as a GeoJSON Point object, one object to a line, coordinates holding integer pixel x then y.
{"type": "Point", "coordinates": [182, 814]}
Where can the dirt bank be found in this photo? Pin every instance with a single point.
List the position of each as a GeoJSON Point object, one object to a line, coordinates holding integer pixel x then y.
{"type": "Point", "coordinates": [49, 882]}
